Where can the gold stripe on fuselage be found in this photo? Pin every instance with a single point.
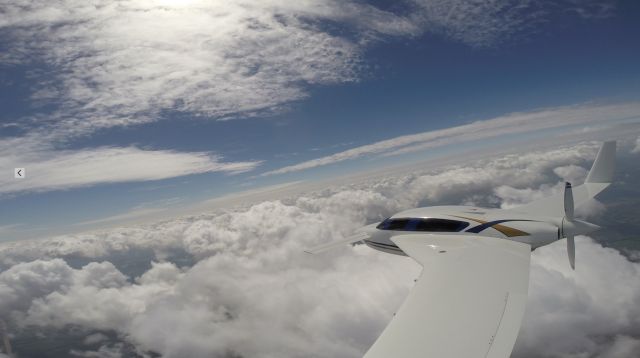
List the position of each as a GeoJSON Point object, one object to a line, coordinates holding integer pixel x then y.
{"type": "Point", "coordinates": [506, 230]}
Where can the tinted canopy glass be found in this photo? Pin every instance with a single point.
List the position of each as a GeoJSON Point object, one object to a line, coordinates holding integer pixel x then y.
{"type": "Point", "coordinates": [425, 225]}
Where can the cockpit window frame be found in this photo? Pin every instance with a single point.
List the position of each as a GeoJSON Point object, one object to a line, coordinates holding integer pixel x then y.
{"type": "Point", "coordinates": [422, 225]}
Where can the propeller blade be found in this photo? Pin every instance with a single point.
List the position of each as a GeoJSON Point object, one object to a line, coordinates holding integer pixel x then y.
{"type": "Point", "coordinates": [571, 250]}
{"type": "Point", "coordinates": [568, 201]}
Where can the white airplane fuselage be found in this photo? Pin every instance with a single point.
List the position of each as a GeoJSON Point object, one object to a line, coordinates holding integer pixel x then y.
{"type": "Point", "coordinates": [474, 283]}
{"type": "Point", "coordinates": [463, 220]}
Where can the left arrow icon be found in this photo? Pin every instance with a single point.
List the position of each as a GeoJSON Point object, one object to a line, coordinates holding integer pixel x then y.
{"type": "Point", "coordinates": [19, 173]}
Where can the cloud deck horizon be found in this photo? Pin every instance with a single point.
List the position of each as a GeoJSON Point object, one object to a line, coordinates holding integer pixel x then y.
{"type": "Point", "coordinates": [249, 277]}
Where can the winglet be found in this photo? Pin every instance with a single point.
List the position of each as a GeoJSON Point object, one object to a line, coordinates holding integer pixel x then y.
{"type": "Point", "coordinates": [604, 165]}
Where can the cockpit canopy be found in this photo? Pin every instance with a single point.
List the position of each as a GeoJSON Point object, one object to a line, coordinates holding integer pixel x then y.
{"type": "Point", "coordinates": [422, 224]}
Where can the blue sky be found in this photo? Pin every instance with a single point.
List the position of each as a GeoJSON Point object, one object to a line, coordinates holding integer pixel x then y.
{"type": "Point", "coordinates": [169, 103]}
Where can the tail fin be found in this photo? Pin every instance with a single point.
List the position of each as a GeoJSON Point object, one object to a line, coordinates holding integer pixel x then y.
{"type": "Point", "coordinates": [604, 165]}
{"type": "Point", "coordinates": [599, 178]}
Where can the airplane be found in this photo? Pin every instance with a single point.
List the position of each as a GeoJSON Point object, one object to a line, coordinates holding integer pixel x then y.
{"type": "Point", "coordinates": [471, 295]}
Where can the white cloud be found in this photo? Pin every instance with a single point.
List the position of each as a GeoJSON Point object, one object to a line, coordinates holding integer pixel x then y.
{"type": "Point", "coordinates": [485, 23]}
{"type": "Point", "coordinates": [9, 228]}
{"type": "Point", "coordinates": [476, 23]}
{"type": "Point", "coordinates": [511, 124]}
{"type": "Point", "coordinates": [25, 281]}
{"type": "Point", "coordinates": [105, 351]}
{"type": "Point", "coordinates": [623, 347]}
{"type": "Point", "coordinates": [66, 169]}
{"type": "Point", "coordinates": [636, 149]}
{"type": "Point", "coordinates": [571, 173]}
{"type": "Point", "coordinates": [122, 63]}
{"type": "Point", "coordinates": [135, 214]}
{"type": "Point", "coordinates": [509, 180]}
{"type": "Point", "coordinates": [95, 338]}
{"type": "Point", "coordinates": [589, 312]}
{"type": "Point", "coordinates": [106, 64]}
{"type": "Point", "coordinates": [222, 313]}
{"type": "Point", "coordinates": [253, 292]}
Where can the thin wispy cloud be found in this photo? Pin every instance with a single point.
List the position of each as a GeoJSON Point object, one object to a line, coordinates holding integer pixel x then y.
{"type": "Point", "coordinates": [147, 210]}
{"type": "Point", "coordinates": [67, 169]}
{"type": "Point", "coordinates": [485, 23]}
{"type": "Point", "coordinates": [103, 64]}
{"type": "Point", "coordinates": [128, 63]}
{"type": "Point", "coordinates": [123, 63]}
{"type": "Point", "coordinates": [480, 23]}
{"type": "Point", "coordinates": [512, 124]}
{"type": "Point", "coordinates": [127, 217]}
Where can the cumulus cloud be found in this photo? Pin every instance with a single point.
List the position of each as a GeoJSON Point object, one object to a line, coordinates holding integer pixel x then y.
{"type": "Point", "coordinates": [505, 181]}
{"type": "Point", "coordinates": [270, 309]}
{"type": "Point", "coordinates": [251, 291]}
{"type": "Point", "coordinates": [511, 124]}
{"type": "Point", "coordinates": [106, 351]}
{"type": "Point", "coordinates": [590, 312]}
{"type": "Point", "coordinates": [571, 173]}
{"type": "Point", "coordinates": [95, 338]}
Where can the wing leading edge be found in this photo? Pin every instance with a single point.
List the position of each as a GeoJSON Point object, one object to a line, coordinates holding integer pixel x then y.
{"type": "Point", "coordinates": [468, 302]}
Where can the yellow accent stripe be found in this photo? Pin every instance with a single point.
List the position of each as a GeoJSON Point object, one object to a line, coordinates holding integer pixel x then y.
{"type": "Point", "coordinates": [506, 230]}
{"type": "Point", "coordinates": [509, 231]}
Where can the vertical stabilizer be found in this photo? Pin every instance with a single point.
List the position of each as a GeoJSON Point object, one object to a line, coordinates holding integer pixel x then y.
{"type": "Point", "coordinates": [604, 165]}
{"type": "Point", "coordinates": [599, 178]}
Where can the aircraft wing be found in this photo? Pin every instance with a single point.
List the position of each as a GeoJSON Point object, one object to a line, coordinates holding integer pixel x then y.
{"type": "Point", "coordinates": [467, 303]}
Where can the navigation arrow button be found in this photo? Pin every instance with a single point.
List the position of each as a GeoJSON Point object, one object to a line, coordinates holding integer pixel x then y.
{"type": "Point", "coordinates": [19, 173]}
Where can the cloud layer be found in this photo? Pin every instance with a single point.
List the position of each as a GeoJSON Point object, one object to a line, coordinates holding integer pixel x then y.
{"type": "Point", "coordinates": [511, 124]}
{"type": "Point", "coordinates": [109, 64]}
{"type": "Point", "coordinates": [123, 63]}
{"type": "Point", "coordinates": [66, 169]}
{"type": "Point", "coordinates": [252, 292]}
